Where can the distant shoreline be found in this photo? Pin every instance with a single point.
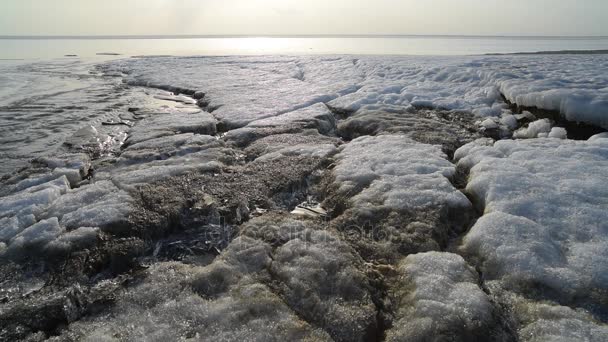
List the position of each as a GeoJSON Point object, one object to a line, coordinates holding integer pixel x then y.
{"type": "Point", "coordinates": [396, 36]}
{"type": "Point", "coordinates": [556, 52]}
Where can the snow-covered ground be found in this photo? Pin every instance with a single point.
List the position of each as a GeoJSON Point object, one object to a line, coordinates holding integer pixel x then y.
{"type": "Point", "coordinates": [310, 198]}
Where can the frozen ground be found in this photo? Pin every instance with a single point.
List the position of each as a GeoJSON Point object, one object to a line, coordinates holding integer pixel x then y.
{"type": "Point", "coordinates": [305, 198]}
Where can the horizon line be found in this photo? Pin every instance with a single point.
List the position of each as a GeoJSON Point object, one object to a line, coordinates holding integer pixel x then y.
{"type": "Point", "coordinates": [211, 36]}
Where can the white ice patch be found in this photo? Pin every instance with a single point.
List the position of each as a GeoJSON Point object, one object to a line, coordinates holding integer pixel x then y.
{"type": "Point", "coordinates": [244, 89]}
{"type": "Point", "coordinates": [535, 129]}
{"type": "Point", "coordinates": [305, 150]}
{"type": "Point", "coordinates": [169, 305]}
{"type": "Point", "coordinates": [544, 223]}
{"type": "Point", "coordinates": [35, 199]}
{"type": "Point", "coordinates": [438, 295]}
{"type": "Point", "coordinates": [77, 239]}
{"type": "Point", "coordinates": [316, 116]}
{"type": "Point", "coordinates": [393, 171]}
{"type": "Point", "coordinates": [558, 133]}
{"type": "Point", "coordinates": [162, 124]}
{"type": "Point", "coordinates": [567, 84]}
{"type": "Point", "coordinates": [100, 204]}
{"type": "Point", "coordinates": [35, 237]}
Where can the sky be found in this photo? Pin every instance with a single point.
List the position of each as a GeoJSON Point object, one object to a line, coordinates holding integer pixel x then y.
{"type": "Point", "coordinates": [304, 17]}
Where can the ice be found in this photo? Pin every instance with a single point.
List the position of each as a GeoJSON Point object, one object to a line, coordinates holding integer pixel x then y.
{"type": "Point", "coordinates": [35, 237]}
{"type": "Point", "coordinates": [316, 116]}
{"type": "Point", "coordinates": [158, 158]}
{"type": "Point", "coordinates": [243, 89]}
{"type": "Point", "coordinates": [33, 200]}
{"type": "Point", "coordinates": [74, 240]}
{"type": "Point", "coordinates": [165, 147]}
{"type": "Point", "coordinates": [162, 124]}
{"type": "Point", "coordinates": [11, 226]}
{"type": "Point", "coordinates": [100, 204]}
{"type": "Point", "coordinates": [544, 322]}
{"type": "Point", "coordinates": [396, 172]}
{"type": "Point", "coordinates": [437, 297]}
{"type": "Point", "coordinates": [427, 126]}
{"type": "Point", "coordinates": [567, 84]}
{"type": "Point", "coordinates": [314, 151]}
{"type": "Point", "coordinates": [509, 121]}
{"type": "Point", "coordinates": [155, 170]}
{"type": "Point", "coordinates": [544, 223]}
{"type": "Point", "coordinates": [599, 136]}
{"type": "Point", "coordinates": [399, 190]}
{"type": "Point", "coordinates": [340, 302]}
{"type": "Point", "coordinates": [166, 306]}
{"type": "Point", "coordinates": [534, 129]}
{"type": "Point", "coordinates": [558, 133]}
{"type": "Point", "coordinates": [489, 123]}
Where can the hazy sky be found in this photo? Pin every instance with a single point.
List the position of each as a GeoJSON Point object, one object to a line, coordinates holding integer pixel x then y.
{"type": "Point", "coordinates": [276, 17]}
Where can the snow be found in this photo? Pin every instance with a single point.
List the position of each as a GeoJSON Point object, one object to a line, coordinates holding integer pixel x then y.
{"type": "Point", "coordinates": [534, 129]}
{"type": "Point", "coordinates": [438, 296]}
{"type": "Point", "coordinates": [543, 322]}
{"type": "Point", "coordinates": [393, 187]}
{"type": "Point", "coordinates": [489, 123]}
{"type": "Point", "coordinates": [599, 136]}
{"type": "Point", "coordinates": [280, 84]}
{"type": "Point", "coordinates": [558, 133]}
{"type": "Point", "coordinates": [568, 84]}
{"type": "Point", "coordinates": [393, 171]}
{"type": "Point", "coordinates": [167, 306]}
{"type": "Point", "coordinates": [544, 224]}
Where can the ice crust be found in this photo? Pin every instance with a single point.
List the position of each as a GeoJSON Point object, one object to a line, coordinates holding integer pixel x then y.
{"type": "Point", "coordinates": [566, 84]}
{"type": "Point", "coordinates": [312, 273]}
{"type": "Point", "coordinates": [44, 214]}
{"type": "Point", "coordinates": [544, 223]}
{"type": "Point", "coordinates": [398, 194]}
{"type": "Point", "coordinates": [437, 295]}
{"type": "Point", "coordinates": [366, 141]}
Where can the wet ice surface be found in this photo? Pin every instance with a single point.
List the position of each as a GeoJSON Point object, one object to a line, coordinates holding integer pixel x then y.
{"type": "Point", "coordinates": [304, 198]}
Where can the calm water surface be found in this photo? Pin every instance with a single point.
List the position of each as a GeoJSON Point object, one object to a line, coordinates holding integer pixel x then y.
{"type": "Point", "coordinates": [419, 45]}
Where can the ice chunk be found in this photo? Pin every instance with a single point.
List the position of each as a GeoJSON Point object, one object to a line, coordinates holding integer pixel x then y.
{"type": "Point", "coordinates": [558, 132]}
{"type": "Point", "coordinates": [74, 240]}
{"type": "Point", "coordinates": [426, 126]}
{"type": "Point", "coordinates": [141, 173]}
{"type": "Point", "coordinates": [599, 136]}
{"type": "Point", "coordinates": [11, 226]}
{"type": "Point", "coordinates": [34, 199]}
{"type": "Point", "coordinates": [544, 322]}
{"type": "Point", "coordinates": [509, 120]}
{"type": "Point", "coordinates": [437, 297]}
{"type": "Point", "coordinates": [534, 129]}
{"type": "Point", "coordinates": [100, 204]}
{"type": "Point", "coordinates": [35, 237]}
{"type": "Point", "coordinates": [489, 123]}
